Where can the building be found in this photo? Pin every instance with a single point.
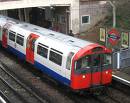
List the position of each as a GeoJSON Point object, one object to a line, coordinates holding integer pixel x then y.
{"type": "Point", "coordinates": [59, 15]}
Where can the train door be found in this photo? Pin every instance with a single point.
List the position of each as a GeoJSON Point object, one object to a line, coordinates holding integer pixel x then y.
{"type": "Point", "coordinates": [30, 48]}
{"type": "Point", "coordinates": [69, 65]}
{"type": "Point", "coordinates": [4, 37]}
{"type": "Point", "coordinates": [106, 65]}
{"type": "Point", "coordinates": [96, 74]}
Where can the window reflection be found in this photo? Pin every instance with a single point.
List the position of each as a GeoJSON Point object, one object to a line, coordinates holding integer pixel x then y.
{"type": "Point", "coordinates": [91, 62]}
{"type": "Point", "coordinates": [83, 63]}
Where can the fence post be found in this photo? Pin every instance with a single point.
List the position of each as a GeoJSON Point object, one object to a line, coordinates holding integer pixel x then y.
{"type": "Point", "coordinates": [118, 60]}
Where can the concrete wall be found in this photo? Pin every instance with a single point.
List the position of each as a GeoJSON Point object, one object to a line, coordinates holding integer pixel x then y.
{"type": "Point", "coordinates": [13, 4]}
{"type": "Point", "coordinates": [74, 16]}
{"type": "Point", "coordinates": [60, 20]}
{"type": "Point", "coordinates": [76, 9]}
{"type": "Point", "coordinates": [95, 10]}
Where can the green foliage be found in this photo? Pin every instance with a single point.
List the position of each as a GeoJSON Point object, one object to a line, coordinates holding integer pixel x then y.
{"type": "Point", "coordinates": [122, 16]}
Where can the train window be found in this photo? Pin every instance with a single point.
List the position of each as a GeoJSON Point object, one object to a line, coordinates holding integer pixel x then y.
{"type": "Point", "coordinates": [56, 51]}
{"type": "Point", "coordinates": [55, 57]}
{"type": "Point", "coordinates": [83, 64]}
{"type": "Point", "coordinates": [69, 58]}
{"type": "Point", "coordinates": [43, 45]}
{"type": "Point", "coordinates": [33, 44]}
{"type": "Point", "coordinates": [96, 60]}
{"type": "Point", "coordinates": [20, 40]}
{"type": "Point", "coordinates": [42, 51]}
{"type": "Point", "coordinates": [97, 49]}
{"type": "Point", "coordinates": [12, 35]}
{"type": "Point", "coordinates": [106, 59]}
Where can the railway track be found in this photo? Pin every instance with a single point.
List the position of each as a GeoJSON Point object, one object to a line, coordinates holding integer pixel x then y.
{"type": "Point", "coordinates": [16, 91]}
{"type": "Point", "coordinates": [109, 95]}
{"type": "Point", "coordinates": [60, 95]}
{"type": "Point", "coordinates": [105, 99]}
{"type": "Point", "coordinates": [4, 97]}
{"type": "Point", "coordinates": [112, 95]}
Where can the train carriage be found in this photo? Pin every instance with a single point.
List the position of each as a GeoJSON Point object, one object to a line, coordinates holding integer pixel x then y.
{"type": "Point", "coordinates": [76, 63]}
{"type": "Point", "coordinates": [17, 41]}
{"type": "Point", "coordinates": [53, 59]}
{"type": "Point", "coordinates": [5, 24]}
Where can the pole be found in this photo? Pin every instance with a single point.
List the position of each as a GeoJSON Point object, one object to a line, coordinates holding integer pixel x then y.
{"type": "Point", "coordinates": [114, 13]}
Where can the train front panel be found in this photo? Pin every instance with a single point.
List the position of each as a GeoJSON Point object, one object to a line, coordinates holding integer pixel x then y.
{"type": "Point", "coordinates": [91, 67]}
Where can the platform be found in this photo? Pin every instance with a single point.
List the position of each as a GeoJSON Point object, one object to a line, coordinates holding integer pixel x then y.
{"type": "Point", "coordinates": [122, 76]}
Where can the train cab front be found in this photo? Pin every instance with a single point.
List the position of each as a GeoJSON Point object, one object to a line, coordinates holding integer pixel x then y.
{"type": "Point", "coordinates": [91, 67]}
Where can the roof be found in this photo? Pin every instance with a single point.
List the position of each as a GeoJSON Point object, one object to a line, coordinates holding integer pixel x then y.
{"type": "Point", "coordinates": [63, 38]}
{"type": "Point", "coordinates": [55, 35]}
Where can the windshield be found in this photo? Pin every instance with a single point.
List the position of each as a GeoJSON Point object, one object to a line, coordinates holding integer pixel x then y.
{"type": "Point", "coordinates": [87, 63]}
{"type": "Point", "coordinates": [106, 59]}
{"type": "Point", "coordinates": [83, 65]}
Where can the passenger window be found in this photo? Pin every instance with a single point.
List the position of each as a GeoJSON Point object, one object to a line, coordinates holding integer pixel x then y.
{"type": "Point", "coordinates": [12, 36]}
{"type": "Point", "coordinates": [42, 51]}
{"type": "Point", "coordinates": [55, 57]}
{"type": "Point", "coordinates": [20, 40]}
{"type": "Point", "coordinates": [69, 58]}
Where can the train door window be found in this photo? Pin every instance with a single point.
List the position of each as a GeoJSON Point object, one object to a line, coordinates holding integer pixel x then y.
{"type": "Point", "coordinates": [69, 58]}
{"type": "Point", "coordinates": [55, 56]}
{"type": "Point", "coordinates": [12, 36]}
{"type": "Point", "coordinates": [96, 60]}
{"type": "Point", "coordinates": [42, 51]}
{"type": "Point", "coordinates": [33, 43]}
{"type": "Point", "coordinates": [29, 40]}
{"type": "Point", "coordinates": [106, 59]}
{"type": "Point", "coordinates": [20, 40]}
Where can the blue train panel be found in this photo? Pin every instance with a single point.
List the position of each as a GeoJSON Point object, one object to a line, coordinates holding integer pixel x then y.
{"type": "Point", "coordinates": [51, 73]}
{"type": "Point", "coordinates": [16, 52]}
{"type": "Point", "coordinates": [41, 67]}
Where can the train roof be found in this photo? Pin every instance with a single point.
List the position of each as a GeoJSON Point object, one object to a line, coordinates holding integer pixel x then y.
{"type": "Point", "coordinates": [5, 19]}
{"type": "Point", "coordinates": [68, 40]}
{"type": "Point", "coordinates": [55, 35]}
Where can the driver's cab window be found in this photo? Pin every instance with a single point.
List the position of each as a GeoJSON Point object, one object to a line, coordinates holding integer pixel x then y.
{"type": "Point", "coordinates": [107, 60]}
{"type": "Point", "coordinates": [83, 63]}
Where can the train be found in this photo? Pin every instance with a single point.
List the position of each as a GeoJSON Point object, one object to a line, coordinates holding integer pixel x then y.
{"type": "Point", "coordinates": [76, 63]}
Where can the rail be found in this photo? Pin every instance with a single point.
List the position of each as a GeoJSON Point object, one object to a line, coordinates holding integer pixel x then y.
{"type": "Point", "coordinates": [20, 84]}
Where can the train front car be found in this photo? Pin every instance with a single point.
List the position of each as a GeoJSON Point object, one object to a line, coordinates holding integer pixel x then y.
{"type": "Point", "coordinates": [91, 67]}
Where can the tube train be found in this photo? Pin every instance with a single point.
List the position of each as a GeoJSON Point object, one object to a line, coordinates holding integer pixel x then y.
{"type": "Point", "coordinates": [76, 63]}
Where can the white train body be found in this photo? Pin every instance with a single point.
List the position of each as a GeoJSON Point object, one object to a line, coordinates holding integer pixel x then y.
{"type": "Point", "coordinates": [52, 52]}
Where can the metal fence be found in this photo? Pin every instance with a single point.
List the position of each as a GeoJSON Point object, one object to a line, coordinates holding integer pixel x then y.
{"type": "Point", "coordinates": [121, 59]}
